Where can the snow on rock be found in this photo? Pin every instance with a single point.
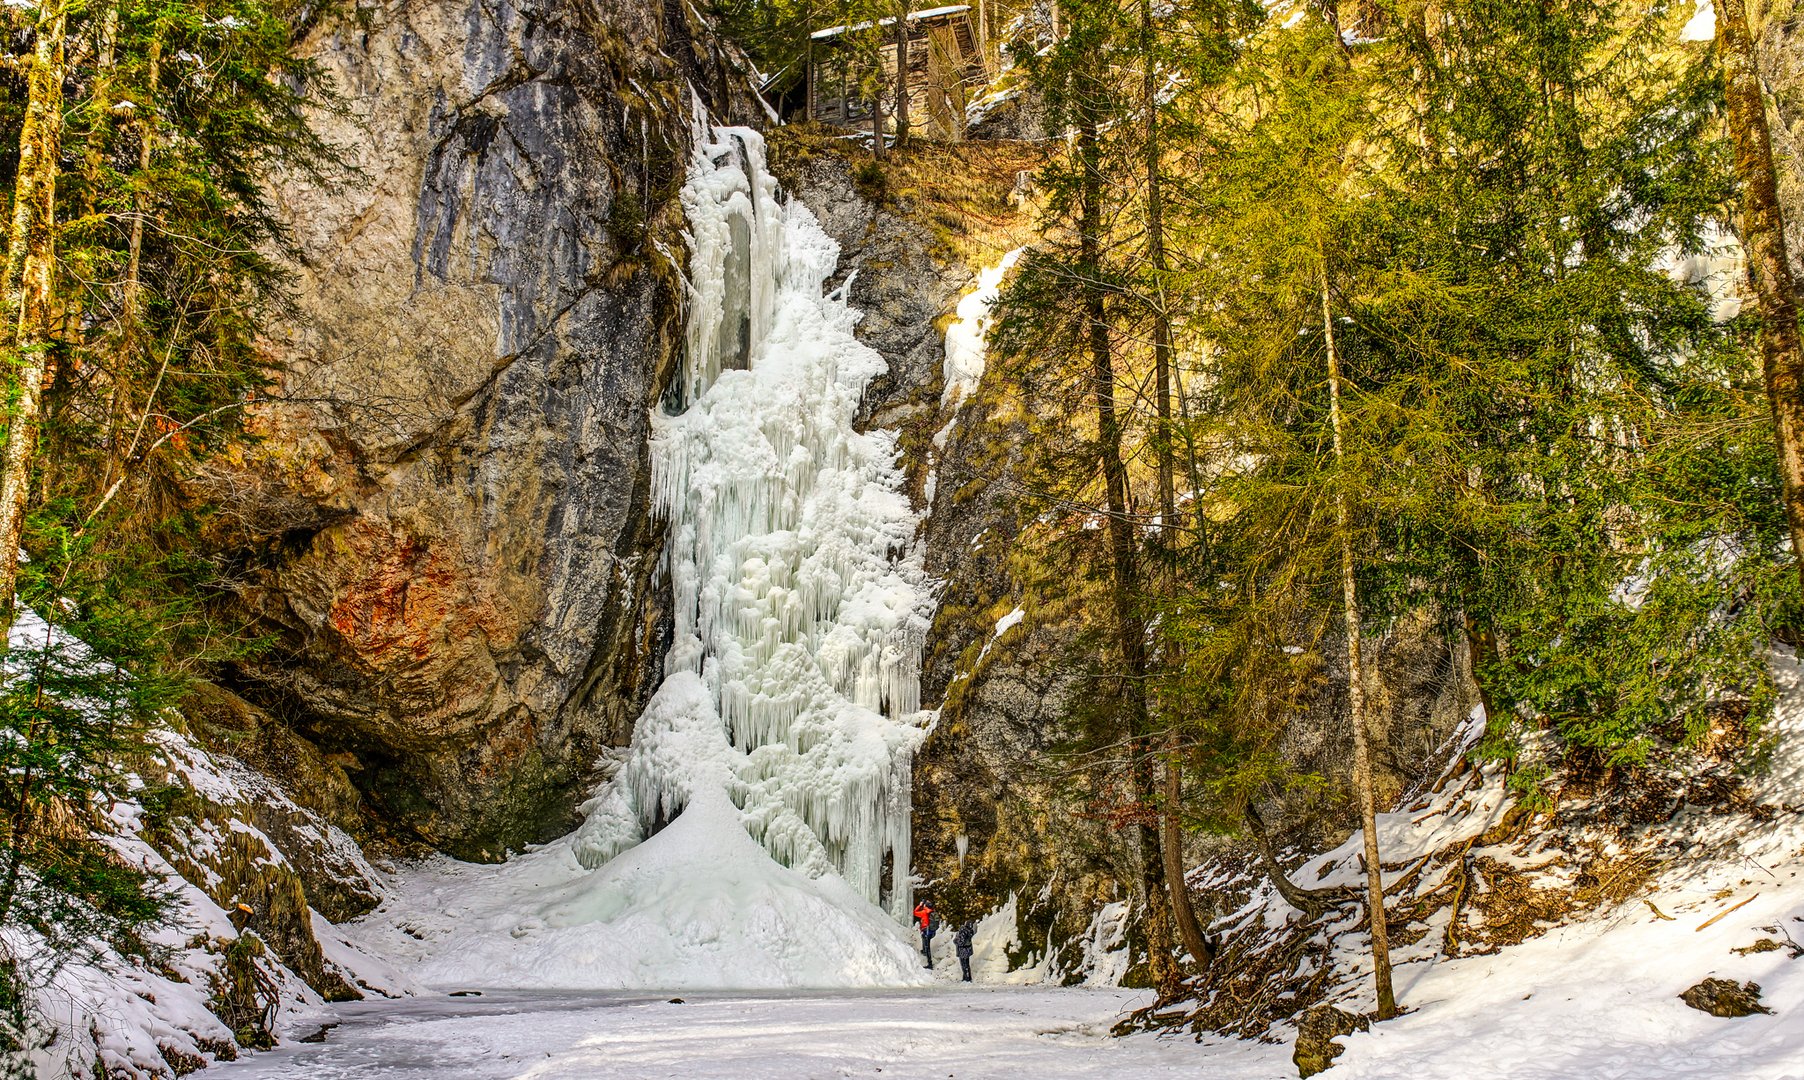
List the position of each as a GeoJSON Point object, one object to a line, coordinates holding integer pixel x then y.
{"type": "Point", "coordinates": [170, 1007]}
{"type": "Point", "coordinates": [967, 337]}
{"type": "Point", "coordinates": [140, 1019]}
{"type": "Point", "coordinates": [967, 349]}
{"type": "Point", "coordinates": [761, 812]}
{"type": "Point", "coordinates": [1702, 25]}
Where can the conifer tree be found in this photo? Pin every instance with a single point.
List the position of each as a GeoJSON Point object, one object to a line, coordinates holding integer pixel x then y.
{"type": "Point", "coordinates": [139, 274]}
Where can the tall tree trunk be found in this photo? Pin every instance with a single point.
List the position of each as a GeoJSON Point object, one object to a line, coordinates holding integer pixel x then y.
{"type": "Point", "coordinates": [1356, 696]}
{"type": "Point", "coordinates": [1190, 931]}
{"type": "Point", "coordinates": [30, 293]}
{"type": "Point", "coordinates": [1769, 269]}
{"type": "Point", "coordinates": [1131, 633]}
{"type": "Point", "coordinates": [120, 408]}
{"type": "Point", "coordinates": [902, 77]}
{"type": "Point", "coordinates": [100, 108]}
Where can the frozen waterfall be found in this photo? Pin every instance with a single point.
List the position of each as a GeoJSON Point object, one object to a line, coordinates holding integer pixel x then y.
{"type": "Point", "coordinates": [761, 814]}
{"type": "Point", "coordinates": [793, 683]}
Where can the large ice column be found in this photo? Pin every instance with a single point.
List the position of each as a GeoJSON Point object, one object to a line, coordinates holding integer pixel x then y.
{"type": "Point", "coordinates": [793, 683]}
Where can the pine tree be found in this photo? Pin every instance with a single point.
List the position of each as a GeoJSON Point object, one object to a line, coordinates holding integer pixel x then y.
{"type": "Point", "coordinates": [1059, 328]}
{"type": "Point", "coordinates": [139, 273]}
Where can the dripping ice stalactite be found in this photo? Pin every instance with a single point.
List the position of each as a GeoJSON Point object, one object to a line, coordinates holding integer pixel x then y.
{"type": "Point", "coordinates": [792, 686]}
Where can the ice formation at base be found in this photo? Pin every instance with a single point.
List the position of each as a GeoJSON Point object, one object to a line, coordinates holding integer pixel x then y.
{"type": "Point", "coordinates": [761, 814]}
{"type": "Point", "coordinates": [699, 906]}
{"type": "Point", "coordinates": [793, 683]}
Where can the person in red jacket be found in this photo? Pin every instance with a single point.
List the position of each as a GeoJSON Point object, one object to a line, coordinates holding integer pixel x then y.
{"type": "Point", "coordinates": [929, 921]}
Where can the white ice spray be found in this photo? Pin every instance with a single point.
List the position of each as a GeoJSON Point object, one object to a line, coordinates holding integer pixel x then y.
{"type": "Point", "coordinates": [793, 683]}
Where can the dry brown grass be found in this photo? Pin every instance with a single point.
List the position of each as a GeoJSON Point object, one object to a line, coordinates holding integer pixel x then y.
{"type": "Point", "coordinates": [962, 192]}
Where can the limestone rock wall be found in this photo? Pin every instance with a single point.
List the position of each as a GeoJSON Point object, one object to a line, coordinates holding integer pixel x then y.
{"type": "Point", "coordinates": [446, 530]}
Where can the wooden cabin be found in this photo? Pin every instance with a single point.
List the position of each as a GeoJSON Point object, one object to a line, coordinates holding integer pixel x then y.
{"type": "Point", "coordinates": [945, 63]}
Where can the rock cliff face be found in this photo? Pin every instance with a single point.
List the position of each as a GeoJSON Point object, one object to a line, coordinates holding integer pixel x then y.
{"type": "Point", "coordinates": [446, 532]}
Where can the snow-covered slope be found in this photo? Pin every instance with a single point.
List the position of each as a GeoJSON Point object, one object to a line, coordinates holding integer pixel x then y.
{"type": "Point", "coordinates": [1600, 996]}
{"type": "Point", "coordinates": [239, 958]}
{"type": "Point", "coordinates": [1557, 946]}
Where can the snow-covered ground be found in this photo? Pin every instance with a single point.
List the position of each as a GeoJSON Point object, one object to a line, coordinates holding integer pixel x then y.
{"type": "Point", "coordinates": [703, 907]}
{"type": "Point", "coordinates": [1599, 997]}
{"type": "Point", "coordinates": [905, 1035]}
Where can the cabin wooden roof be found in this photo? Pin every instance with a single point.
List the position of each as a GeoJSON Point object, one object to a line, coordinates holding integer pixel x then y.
{"type": "Point", "coordinates": [927, 17]}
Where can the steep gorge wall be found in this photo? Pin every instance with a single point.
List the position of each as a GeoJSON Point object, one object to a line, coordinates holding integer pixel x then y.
{"type": "Point", "coordinates": [446, 530]}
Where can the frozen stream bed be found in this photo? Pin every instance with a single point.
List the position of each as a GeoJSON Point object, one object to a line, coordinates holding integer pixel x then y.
{"type": "Point", "coordinates": [912, 1035]}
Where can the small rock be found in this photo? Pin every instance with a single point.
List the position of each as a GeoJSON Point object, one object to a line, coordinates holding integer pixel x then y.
{"type": "Point", "coordinates": [466, 993]}
{"type": "Point", "coordinates": [676, 1001]}
{"type": "Point", "coordinates": [320, 1035]}
{"type": "Point", "coordinates": [1316, 1031]}
{"type": "Point", "coordinates": [1725, 997]}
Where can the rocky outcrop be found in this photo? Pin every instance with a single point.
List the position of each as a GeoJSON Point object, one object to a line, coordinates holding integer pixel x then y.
{"type": "Point", "coordinates": [1317, 1029]}
{"type": "Point", "coordinates": [446, 529]}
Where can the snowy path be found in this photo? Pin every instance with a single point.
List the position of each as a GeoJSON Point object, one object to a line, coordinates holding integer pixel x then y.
{"type": "Point", "coordinates": [901, 1035]}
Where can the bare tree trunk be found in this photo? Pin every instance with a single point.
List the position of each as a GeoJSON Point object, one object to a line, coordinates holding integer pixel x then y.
{"type": "Point", "coordinates": [30, 294]}
{"type": "Point", "coordinates": [1769, 269]}
{"type": "Point", "coordinates": [120, 406]}
{"type": "Point", "coordinates": [100, 107]}
{"type": "Point", "coordinates": [1131, 634]}
{"type": "Point", "coordinates": [902, 77]}
{"type": "Point", "coordinates": [1356, 697]}
{"type": "Point", "coordinates": [877, 118]}
{"type": "Point", "coordinates": [1190, 931]}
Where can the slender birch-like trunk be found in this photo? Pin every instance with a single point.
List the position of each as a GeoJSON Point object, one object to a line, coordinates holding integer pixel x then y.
{"type": "Point", "coordinates": [902, 76]}
{"type": "Point", "coordinates": [1356, 696]}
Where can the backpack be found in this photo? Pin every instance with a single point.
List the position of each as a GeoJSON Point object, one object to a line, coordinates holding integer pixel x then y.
{"type": "Point", "coordinates": [933, 923]}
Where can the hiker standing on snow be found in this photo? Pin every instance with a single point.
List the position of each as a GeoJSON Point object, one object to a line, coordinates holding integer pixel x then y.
{"type": "Point", "coordinates": [930, 925]}
{"type": "Point", "coordinates": [962, 940]}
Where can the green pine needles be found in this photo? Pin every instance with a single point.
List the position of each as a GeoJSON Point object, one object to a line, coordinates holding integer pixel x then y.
{"type": "Point", "coordinates": [1499, 233]}
{"type": "Point", "coordinates": [141, 266]}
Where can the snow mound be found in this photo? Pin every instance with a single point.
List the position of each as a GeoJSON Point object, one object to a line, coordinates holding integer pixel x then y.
{"type": "Point", "coordinates": [699, 905]}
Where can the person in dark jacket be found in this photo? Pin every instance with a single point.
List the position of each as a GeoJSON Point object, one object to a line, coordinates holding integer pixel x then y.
{"type": "Point", "coordinates": [930, 925]}
{"type": "Point", "coordinates": [962, 941]}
